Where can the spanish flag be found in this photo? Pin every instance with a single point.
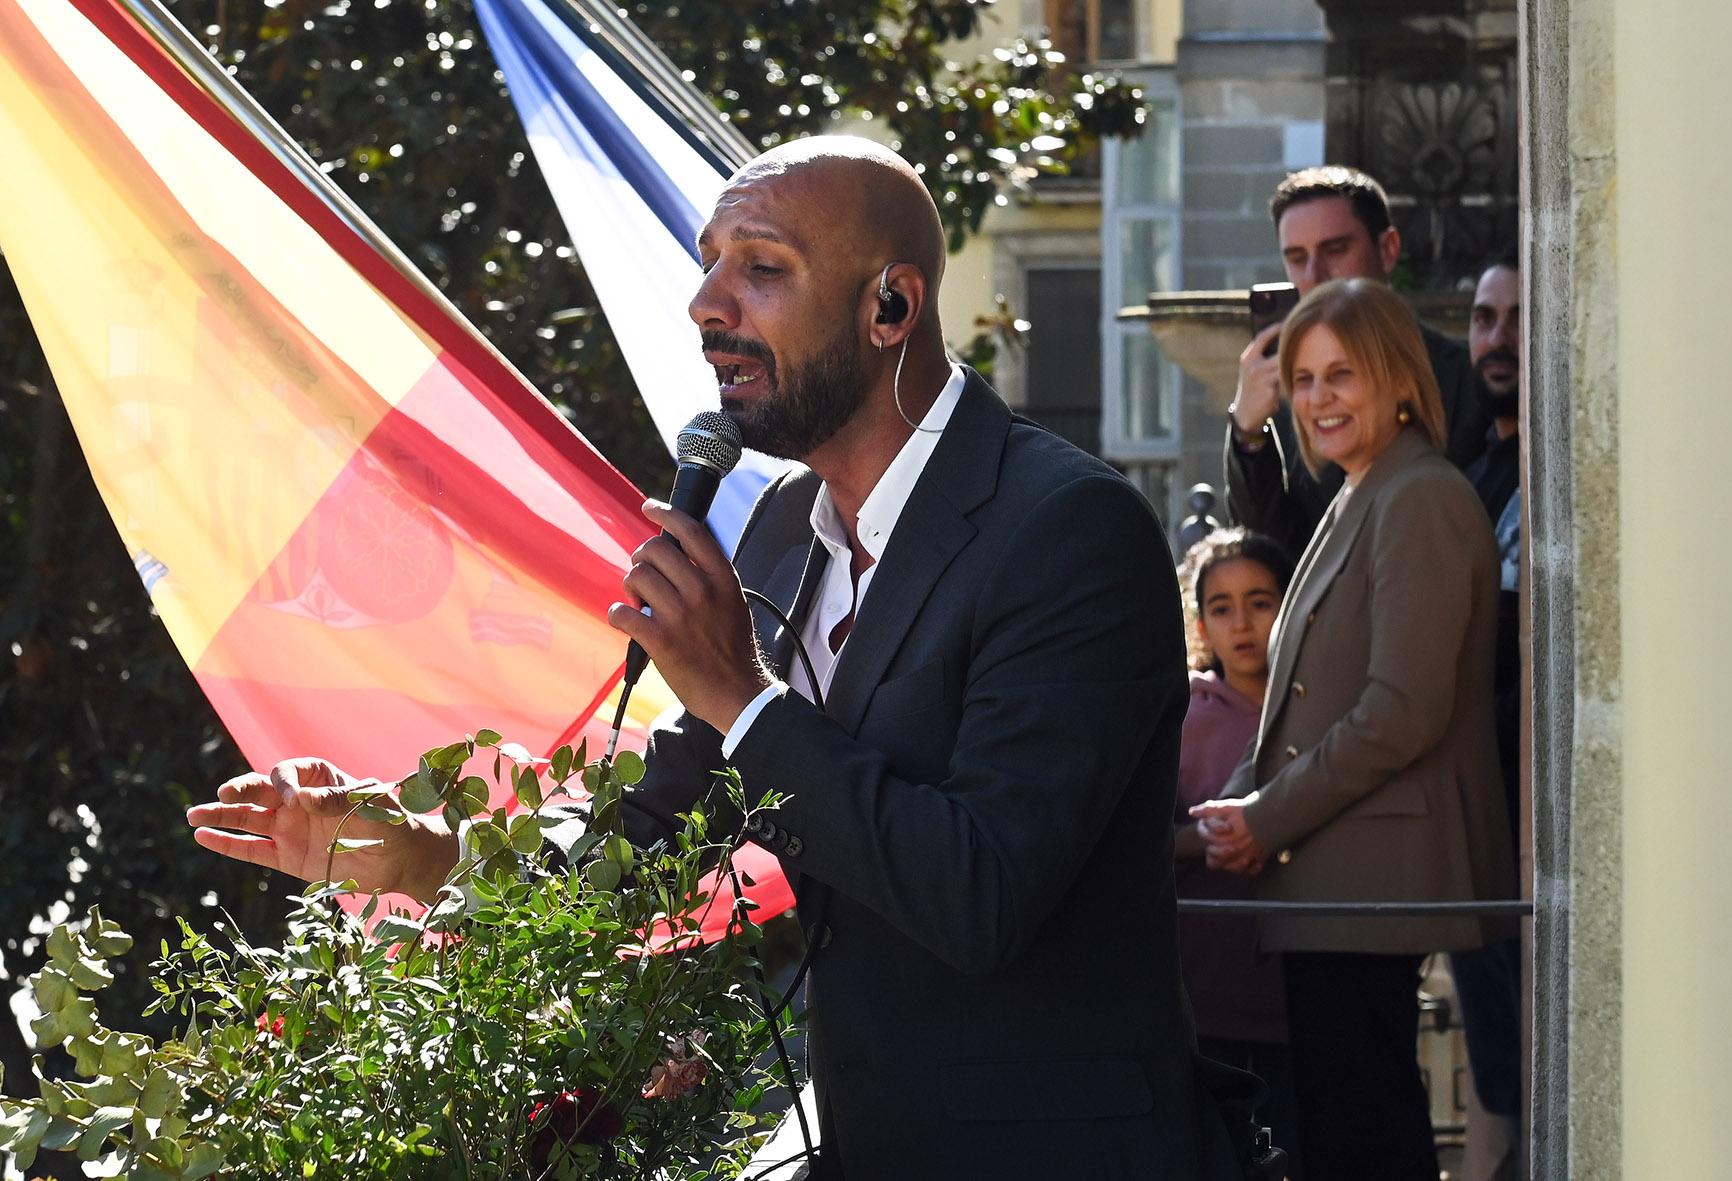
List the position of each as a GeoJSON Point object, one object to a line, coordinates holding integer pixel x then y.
{"type": "Point", "coordinates": [365, 531]}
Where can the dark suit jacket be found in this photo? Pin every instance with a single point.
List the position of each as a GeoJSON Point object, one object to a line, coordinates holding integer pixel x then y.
{"type": "Point", "coordinates": [1376, 759]}
{"type": "Point", "coordinates": [1273, 492]}
{"type": "Point", "coordinates": [987, 800]}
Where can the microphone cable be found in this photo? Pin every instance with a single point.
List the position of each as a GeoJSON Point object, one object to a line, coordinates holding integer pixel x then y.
{"type": "Point", "coordinates": [773, 1008]}
{"type": "Point", "coordinates": [773, 1012]}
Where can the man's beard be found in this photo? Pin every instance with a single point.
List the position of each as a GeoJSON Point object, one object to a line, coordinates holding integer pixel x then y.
{"type": "Point", "coordinates": [1498, 403]}
{"type": "Point", "coordinates": [801, 411]}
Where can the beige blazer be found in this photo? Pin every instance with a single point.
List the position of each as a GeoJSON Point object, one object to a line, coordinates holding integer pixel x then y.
{"type": "Point", "coordinates": [1375, 766]}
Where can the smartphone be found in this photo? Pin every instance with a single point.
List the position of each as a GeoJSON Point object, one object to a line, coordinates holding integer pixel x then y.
{"type": "Point", "coordinates": [1270, 303]}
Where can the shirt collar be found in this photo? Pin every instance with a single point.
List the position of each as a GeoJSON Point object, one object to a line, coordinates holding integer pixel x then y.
{"type": "Point", "coordinates": [883, 505]}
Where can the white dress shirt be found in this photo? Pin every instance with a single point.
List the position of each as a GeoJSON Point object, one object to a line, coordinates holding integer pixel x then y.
{"type": "Point", "coordinates": [837, 596]}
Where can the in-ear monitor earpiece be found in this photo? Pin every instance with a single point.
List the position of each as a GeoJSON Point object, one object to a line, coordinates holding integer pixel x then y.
{"type": "Point", "coordinates": [892, 305]}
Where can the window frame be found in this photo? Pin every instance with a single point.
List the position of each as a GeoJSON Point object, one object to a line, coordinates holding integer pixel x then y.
{"type": "Point", "coordinates": [1159, 85]}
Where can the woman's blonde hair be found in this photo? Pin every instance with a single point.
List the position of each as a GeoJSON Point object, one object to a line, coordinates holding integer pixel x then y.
{"type": "Point", "coordinates": [1382, 340]}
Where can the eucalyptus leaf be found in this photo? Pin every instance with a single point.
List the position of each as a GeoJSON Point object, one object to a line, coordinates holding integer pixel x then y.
{"type": "Point", "coordinates": [89, 974]}
{"type": "Point", "coordinates": [619, 851]}
{"type": "Point", "coordinates": [475, 795]}
{"type": "Point", "coordinates": [628, 767]}
{"type": "Point", "coordinates": [105, 1121]}
{"type": "Point", "coordinates": [53, 988]}
{"type": "Point", "coordinates": [46, 1030]}
{"type": "Point", "coordinates": [488, 838]}
{"type": "Point", "coordinates": [525, 834]}
{"type": "Point", "coordinates": [418, 795]}
{"type": "Point", "coordinates": [603, 875]}
{"type": "Point", "coordinates": [61, 1134]}
{"type": "Point", "coordinates": [397, 929]}
{"type": "Point", "coordinates": [159, 1095]}
{"type": "Point", "coordinates": [345, 845]}
{"type": "Point", "coordinates": [168, 1150]}
{"type": "Point", "coordinates": [62, 946]}
{"type": "Point", "coordinates": [451, 757]}
{"type": "Point", "coordinates": [501, 864]}
{"type": "Point", "coordinates": [528, 786]}
{"type": "Point", "coordinates": [112, 942]}
{"type": "Point", "coordinates": [202, 1161]}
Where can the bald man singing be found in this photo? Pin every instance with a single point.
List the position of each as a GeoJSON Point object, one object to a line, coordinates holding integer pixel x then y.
{"type": "Point", "coordinates": [977, 820]}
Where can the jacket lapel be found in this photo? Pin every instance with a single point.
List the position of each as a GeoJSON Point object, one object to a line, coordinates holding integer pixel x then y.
{"type": "Point", "coordinates": [790, 587]}
{"type": "Point", "coordinates": [1321, 563]}
{"type": "Point", "coordinates": [933, 528]}
{"type": "Point", "coordinates": [785, 537]}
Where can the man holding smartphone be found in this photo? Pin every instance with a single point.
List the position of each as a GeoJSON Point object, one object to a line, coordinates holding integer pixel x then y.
{"type": "Point", "coordinates": [1332, 223]}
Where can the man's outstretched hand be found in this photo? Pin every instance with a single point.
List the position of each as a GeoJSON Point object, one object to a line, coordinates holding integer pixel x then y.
{"type": "Point", "coordinates": [287, 820]}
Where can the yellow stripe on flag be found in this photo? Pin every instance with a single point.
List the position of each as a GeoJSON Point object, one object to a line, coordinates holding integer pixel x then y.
{"type": "Point", "coordinates": [208, 325]}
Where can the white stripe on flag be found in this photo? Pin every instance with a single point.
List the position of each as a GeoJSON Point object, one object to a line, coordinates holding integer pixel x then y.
{"type": "Point", "coordinates": [642, 272]}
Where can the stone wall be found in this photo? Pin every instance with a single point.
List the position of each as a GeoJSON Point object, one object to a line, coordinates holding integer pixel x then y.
{"type": "Point", "coordinates": [1573, 527]}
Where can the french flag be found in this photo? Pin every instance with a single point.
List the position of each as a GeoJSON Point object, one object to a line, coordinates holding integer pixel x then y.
{"type": "Point", "coordinates": [635, 179]}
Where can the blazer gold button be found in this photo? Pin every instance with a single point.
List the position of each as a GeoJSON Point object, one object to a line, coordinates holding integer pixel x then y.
{"type": "Point", "coordinates": [1284, 856]}
{"type": "Point", "coordinates": [1311, 617]}
{"type": "Point", "coordinates": [1298, 689]}
{"type": "Point", "coordinates": [1291, 752]}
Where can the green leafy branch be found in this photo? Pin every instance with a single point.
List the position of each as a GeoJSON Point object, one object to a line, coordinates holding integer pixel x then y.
{"type": "Point", "coordinates": [533, 1023]}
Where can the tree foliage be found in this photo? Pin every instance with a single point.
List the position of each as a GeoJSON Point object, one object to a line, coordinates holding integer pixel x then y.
{"type": "Point", "coordinates": [104, 736]}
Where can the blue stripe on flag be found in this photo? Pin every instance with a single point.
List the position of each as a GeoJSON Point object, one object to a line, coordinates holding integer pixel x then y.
{"type": "Point", "coordinates": [634, 192]}
{"type": "Point", "coordinates": [551, 51]}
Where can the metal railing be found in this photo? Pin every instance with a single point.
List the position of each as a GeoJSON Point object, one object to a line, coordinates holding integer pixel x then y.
{"type": "Point", "coordinates": [1497, 908]}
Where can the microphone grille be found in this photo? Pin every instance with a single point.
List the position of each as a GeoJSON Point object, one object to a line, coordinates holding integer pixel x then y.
{"type": "Point", "coordinates": [711, 439]}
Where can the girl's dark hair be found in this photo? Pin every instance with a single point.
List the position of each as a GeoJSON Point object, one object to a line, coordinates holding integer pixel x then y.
{"type": "Point", "coordinates": [1224, 545]}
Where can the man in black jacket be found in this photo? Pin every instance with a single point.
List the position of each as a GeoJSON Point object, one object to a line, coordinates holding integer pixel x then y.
{"type": "Point", "coordinates": [983, 797]}
{"type": "Point", "coordinates": [1332, 223]}
{"type": "Point", "coordinates": [1488, 980]}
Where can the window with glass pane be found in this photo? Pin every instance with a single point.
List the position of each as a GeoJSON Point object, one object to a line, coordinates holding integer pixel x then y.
{"type": "Point", "coordinates": [1146, 404]}
{"type": "Point", "coordinates": [1115, 31]}
{"type": "Point", "coordinates": [1093, 30]}
{"type": "Point", "coordinates": [1146, 256]}
{"type": "Point", "coordinates": [1140, 251]}
{"type": "Point", "coordinates": [1149, 164]}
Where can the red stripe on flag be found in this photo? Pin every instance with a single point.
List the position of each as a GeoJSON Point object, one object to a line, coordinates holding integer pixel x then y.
{"type": "Point", "coordinates": [392, 583]}
{"type": "Point", "coordinates": [430, 316]}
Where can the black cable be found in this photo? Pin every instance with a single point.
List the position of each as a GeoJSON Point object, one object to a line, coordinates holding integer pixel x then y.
{"type": "Point", "coordinates": [818, 700]}
{"type": "Point", "coordinates": [774, 1165]}
{"type": "Point", "coordinates": [799, 645]}
{"type": "Point", "coordinates": [772, 1012]}
{"type": "Point", "coordinates": [772, 1018]}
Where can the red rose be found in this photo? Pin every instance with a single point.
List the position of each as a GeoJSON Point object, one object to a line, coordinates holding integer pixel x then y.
{"type": "Point", "coordinates": [578, 1115]}
{"type": "Point", "coordinates": [267, 1024]}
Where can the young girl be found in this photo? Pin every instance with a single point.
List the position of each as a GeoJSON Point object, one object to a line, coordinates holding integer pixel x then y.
{"type": "Point", "coordinates": [1237, 579]}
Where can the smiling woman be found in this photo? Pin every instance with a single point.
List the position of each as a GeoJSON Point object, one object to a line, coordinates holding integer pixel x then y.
{"type": "Point", "coordinates": [1355, 366]}
{"type": "Point", "coordinates": [1374, 775]}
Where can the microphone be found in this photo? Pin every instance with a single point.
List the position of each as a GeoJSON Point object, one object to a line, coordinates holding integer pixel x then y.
{"type": "Point", "coordinates": [708, 447]}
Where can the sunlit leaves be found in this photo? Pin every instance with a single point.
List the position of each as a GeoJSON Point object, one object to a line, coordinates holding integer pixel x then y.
{"type": "Point", "coordinates": [528, 978]}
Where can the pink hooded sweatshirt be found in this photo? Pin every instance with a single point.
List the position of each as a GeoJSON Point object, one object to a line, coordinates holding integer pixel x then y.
{"type": "Point", "coordinates": [1236, 993]}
